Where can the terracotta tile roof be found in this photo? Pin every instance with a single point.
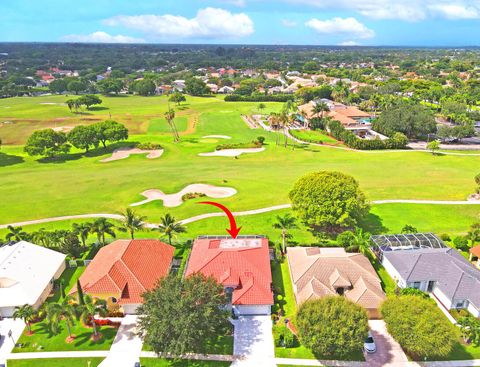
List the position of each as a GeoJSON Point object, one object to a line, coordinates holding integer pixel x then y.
{"type": "Point", "coordinates": [317, 273]}
{"type": "Point", "coordinates": [475, 251]}
{"type": "Point", "coordinates": [243, 264]}
{"type": "Point", "coordinates": [125, 269]}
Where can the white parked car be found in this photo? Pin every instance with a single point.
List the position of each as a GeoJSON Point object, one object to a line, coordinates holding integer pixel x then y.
{"type": "Point", "coordinates": [369, 344]}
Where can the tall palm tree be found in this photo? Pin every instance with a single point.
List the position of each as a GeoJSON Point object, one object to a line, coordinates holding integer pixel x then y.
{"type": "Point", "coordinates": [170, 117]}
{"type": "Point", "coordinates": [42, 237]}
{"type": "Point", "coordinates": [27, 313]}
{"type": "Point", "coordinates": [82, 230]}
{"type": "Point", "coordinates": [274, 119]}
{"type": "Point", "coordinates": [16, 234]}
{"type": "Point", "coordinates": [320, 108]}
{"type": "Point", "coordinates": [92, 307]}
{"type": "Point", "coordinates": [66, 312]}
{"type": "Point", "coordinates": [50, 311]}
{"type": "Point", "coordinates": [170, 227]}
{"type": "Point", "coordinates": [284, 121]}
{"type": "Point", "coordinates": [131, 222]}
{"type": "Point", "coordinates": [285, 223]}
{"type": "Point", "coordinates": [101, 227]}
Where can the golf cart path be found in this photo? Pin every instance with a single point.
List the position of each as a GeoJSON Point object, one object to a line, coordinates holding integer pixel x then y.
{"type": "Point", "coordinates": [221, 214]}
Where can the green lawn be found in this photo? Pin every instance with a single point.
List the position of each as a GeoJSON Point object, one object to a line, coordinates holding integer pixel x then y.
{"type": "Point", "coordinates": [69, 278]}
{"type": "Point", "coordinates": [159, 125]}
{"type": "Point", "coordinates": [80, 184]}
{"type": "Point", "coordinates": [388, 284]}
{"type": "Point", "coordinates": [154, 362]}
{"type": "Point", "coordinates": [283, 288]}
{"type": "Point", "coordinates": [57, 362]}
{"type": "Point", "coordinates": [313, 136]}
{"type": "Point", "coordinates": [43, 341]}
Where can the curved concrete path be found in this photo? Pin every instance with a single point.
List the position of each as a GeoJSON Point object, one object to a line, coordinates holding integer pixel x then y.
{"type": "Point", "coordinates": [238, 214]}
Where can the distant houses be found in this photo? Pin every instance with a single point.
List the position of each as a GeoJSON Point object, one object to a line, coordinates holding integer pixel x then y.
{"type": "Point", "coordinates": [27, 275]}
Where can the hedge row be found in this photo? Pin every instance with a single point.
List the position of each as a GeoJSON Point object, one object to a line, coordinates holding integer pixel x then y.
{"type": "Point", "coordinates": [260, 98]}
{"type": "Point", "coordinates": [398, 141]}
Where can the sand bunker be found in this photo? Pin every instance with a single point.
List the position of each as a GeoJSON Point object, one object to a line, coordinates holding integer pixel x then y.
{"type": "Point", "coordinates": [172, 200]}
{"type": "Point", "coordinates": [216, 137]}
{"type": "Point", "coordinates": [123, 153]}
{"type": "Point", "coordinates": [231, 152]}
{"type": "Point", "coordinates": [63, 129]}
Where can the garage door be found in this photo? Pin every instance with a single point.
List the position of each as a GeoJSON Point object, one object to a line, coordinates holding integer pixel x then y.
{"type": "Point", "coordinates": [245, 310]}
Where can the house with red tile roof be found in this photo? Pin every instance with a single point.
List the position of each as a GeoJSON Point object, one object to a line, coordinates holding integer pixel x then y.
{"type": "Point", "coordinates": [125, 269]}
{"type": "Point", "coordinates": [242, 265]}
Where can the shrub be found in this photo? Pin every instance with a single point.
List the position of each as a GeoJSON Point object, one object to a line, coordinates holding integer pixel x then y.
{"type": "Point", "coordinates": [149, 146]}
{"type": "Point", "coordinates": [332, 326]}
{"type": "Point", "coordinates": [346, 239]}
{"type": "Point", "coordinates": [283, 336]}
{"type": "Point", "coordinates": [461, 243]}
{"type": "Point", "coordinates": [253, 144]}
{"type": "Point", "coordinates": [261, 139]}
{"type": "Point", "coordinates": [192, 195]}
{"type": "Point", "coordinates": [445, 237]}
{"type": "Point", "coordinates": [413, 292]}
{"type": "Point", "coordinates": [419, 326]}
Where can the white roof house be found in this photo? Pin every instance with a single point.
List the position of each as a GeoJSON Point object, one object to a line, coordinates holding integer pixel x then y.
{"type": "Point", "coordinates": [27, 272]}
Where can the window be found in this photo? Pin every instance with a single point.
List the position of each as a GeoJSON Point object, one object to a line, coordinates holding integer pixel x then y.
{"type": "Point", "coordinates": [460, 304]}
{"type": "Point", "coordinates": [113, 299]}
{"type": "Point", "coordinates": [340, 290]}
{"type": "Point", "coordinates": [416, 285]}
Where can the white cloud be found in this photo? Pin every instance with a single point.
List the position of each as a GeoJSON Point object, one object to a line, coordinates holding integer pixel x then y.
{"type": "Point", "coordinates": [208, 23]}
{"type": "Point", "coordinates": [289, 23]}
{"type": "Point", "coordinates": [239, 3]}
{"type": "Point", "coordinates": [349, 43]}
{"type": "Point", "coordinates": [101, 37]}
{"type": "Point", "coordinates": [407, 10]}
{"type": "Point", "coordinates": [341, 26]}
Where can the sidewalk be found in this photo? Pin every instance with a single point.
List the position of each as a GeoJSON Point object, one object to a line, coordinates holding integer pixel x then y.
{"type": "Point", "coordinates": [8, 343]}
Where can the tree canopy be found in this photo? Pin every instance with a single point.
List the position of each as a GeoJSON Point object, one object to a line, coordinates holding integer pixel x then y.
{"type": "Point", "coordinates": [183, 315]}
{"type": "Point", "coordinates": [196, 87]}
{"type": "Point", "coordinates": [111, 131]}
{"type": "Point", "coordinates": [332, 326]}
{"type": "Point", "coordinates": [47, 143]}
{"type": "Point", "coordinates": [419, 326]}
{"type": "Point", "coordinates": [329, 201]}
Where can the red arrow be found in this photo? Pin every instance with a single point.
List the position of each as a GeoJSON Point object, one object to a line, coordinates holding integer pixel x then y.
{"type": "Point", "coordinates": [233, 224]}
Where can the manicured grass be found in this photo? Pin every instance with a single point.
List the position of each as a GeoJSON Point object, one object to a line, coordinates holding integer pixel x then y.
{"type": "Point", "coordinates": [57, 362]}
{"type": "Point", "coordinates": [43, 341]}
{"type": "Point", "coordinates": [388, 284]}
{"type": "Point", "coordinates": [69, 278]}
{"type": "Point", "coordinates": [154, 362]}
{"type": "Point", "coordinates": [223, 345]}
{"type": "Point", "coordinates": [283, 288]}
{"type": "Point", "coordinates": [159, 125]}
{"type": "Point", "coordinates": [313, 136]}
{"type": "Point", "coordinates": [305, 353]}
{"type": "Point", "coordinates": [83, 184]}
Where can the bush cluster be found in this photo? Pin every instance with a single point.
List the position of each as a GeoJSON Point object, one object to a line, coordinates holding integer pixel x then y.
{"type": "Point", "coordinates": [252, 144]}
{"type": "Point", "coordinates": [397, 141]}
{"type": "Point", "coordinates": [192, 195]}
{"type": "Point", "coordinates": [149, 146]}
{"type": "Point", "coordinates": [259, 98]}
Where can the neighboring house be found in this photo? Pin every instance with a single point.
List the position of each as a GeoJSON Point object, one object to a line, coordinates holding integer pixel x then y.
{"type": "Point", "coordinates": [27, 273]}
{"type": "Point", "coordinates": [213, 87]}
{"type": "Point", "coordinates": [225, 90]}
{"type": "Point", "coordinates": [178, 85]}
{"type": "Point", "coordinates": [125, 269]}
{"type": "Point", "coordinates": [424, 262]}
{"type": "Point", "coordinates": [242, 265]}
{"type": "Point", "coordinates": [318, 272]}
{"type": "Point", "coordinates": [475, 255]}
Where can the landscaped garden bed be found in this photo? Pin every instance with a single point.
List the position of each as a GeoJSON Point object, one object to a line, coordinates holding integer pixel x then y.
{"type": "Point", "coordinates": [314, 136]}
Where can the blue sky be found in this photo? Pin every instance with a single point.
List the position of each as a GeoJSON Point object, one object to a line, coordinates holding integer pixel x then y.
{"type": "Point", "coordinates": [315, 22]}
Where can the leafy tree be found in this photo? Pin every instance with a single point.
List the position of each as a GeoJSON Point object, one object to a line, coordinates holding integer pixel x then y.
{"type": "Point", "coordinates": [261, 107]}
{"type": "Point", "coordinates": [310, 67]}
{"type": "Point", "coordinates": [414, 121]}
{"type": "Point", "coordinates": [102, 227]}
{"type": "Point", "coordinates": [285, 223]}
{"type": "Point", "coordinates": [16, 234]}
{"type": "Point", "coordinates": [70, 245]}
{"type": "Point", "coordinates": [346, 239]}
{"type": "Point", "coordinates": [433, 146]}
{"type": "Point", "coordinates": [473, 234]}
{"type": "Point", "coordinates": [145, 87]}
{"type": "Point", "coordinates": [83, 137]}
{"type": "Point", "coordinates": [330, 201]}
{"type": "Point", "coordinates": [110, 86]}
{"type": "Point", "coordinates": [27, 313]}
{"type": "Point", "coordinates": [76, 86]}
{"type": "Point", "coordinates": [177, 98]}
{"type": "Point", "coordinates": [58, 86]}
{"type": "Point", "coordinates": [470, 329]}
{"type": "Point", "coordinates": [47, 143]}
{"type": "Point", "coordinates": [89, 100]}
{"type": "Point", "coordinates": [183, 315]}
{"type": "Point", "coordinates": [170, 227]}
{"type": "Point", "coordinates": [407, 228]}
{"type": "Point", "coordinates": [332, 326]}
{"type": "Point", "coordinates": [308, 94]}
{"type": "Point", "coordinates": [419, 326]}
{"type": "Point", "coordinates": [111, 131]}
{"type": "Point", "coordinates": [131, 222]}
{"type": "Point", "coordinates": [196, 87]}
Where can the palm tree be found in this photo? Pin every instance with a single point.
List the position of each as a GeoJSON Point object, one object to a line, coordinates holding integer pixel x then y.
{"type": "Point", "coordinates": [275, 124]}
{"type": "Point", "coordinates": [82, 230]}
{"type": "Point", "coordinates": [27, 313]}
{"type": "Point", "coordinates": [473, 234]}
{"type": "Point", "coordinates": [16, 234]}
{"type": "Point", "coordinates": [170, 116]}
{"type": "Point", "coordinates": [42, 237]}
{"type": "Point", "coordinates": [285, 223]}
{"type": "Point", "coordinates": [169, 227]}
{"type": "Point", "coordinates": [92, 307]}
{"type": "Point", "coordinates": [131, 222]}
{"type": "Point", "coordinates": [362, 241]}
{"type": "Point", "coordinates": [101, 227]}
{"type": "Point", "coordinates": [50, 311]}
{"type": "Point", "coordinates": [66, 312]}
{"type": "Point", "coordinates": [284, 121]}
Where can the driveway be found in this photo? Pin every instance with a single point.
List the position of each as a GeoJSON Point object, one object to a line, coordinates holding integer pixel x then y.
{"type": "Point", "coordinates": [389, 352]}
{"type": "Point", "coordinates": [7, 343]}
{"type": "Point", "coordinates": [253, 342]}
{"type": "Point", "coordinates": [126, 346]}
